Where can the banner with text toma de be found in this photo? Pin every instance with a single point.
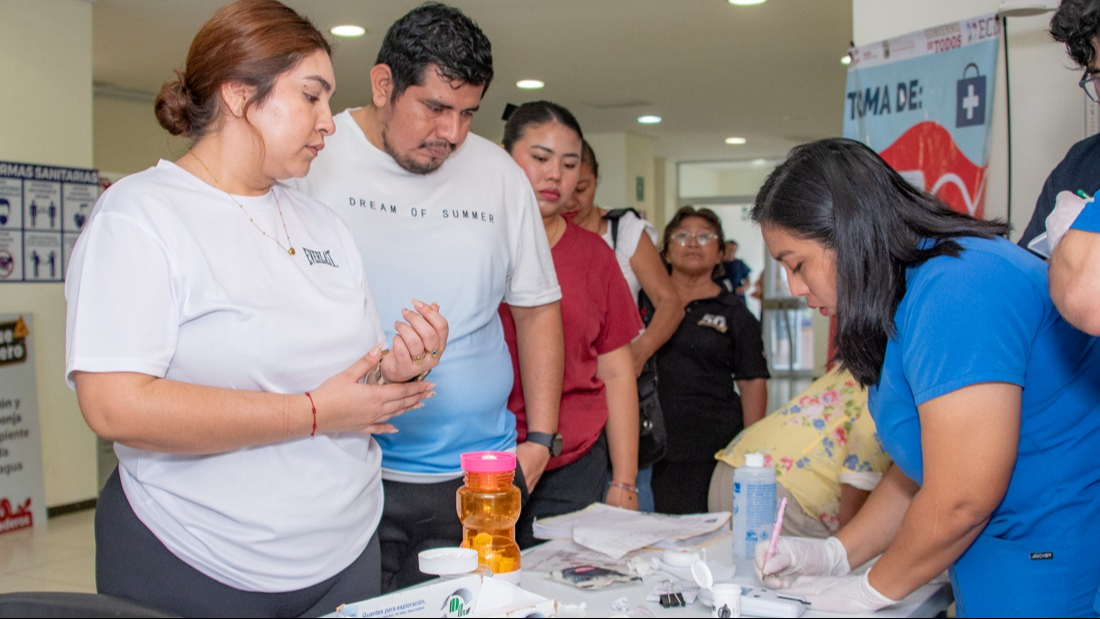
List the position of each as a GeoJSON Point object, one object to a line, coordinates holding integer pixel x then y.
{"type": "Point", "coordinates": [924, 102]}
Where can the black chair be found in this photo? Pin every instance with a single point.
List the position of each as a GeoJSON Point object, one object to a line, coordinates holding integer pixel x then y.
{"type": "Point", "coordinates": [48, 604]}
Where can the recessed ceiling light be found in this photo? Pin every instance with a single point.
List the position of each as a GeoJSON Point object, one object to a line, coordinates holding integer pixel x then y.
{"type": "Point", "coordinates": [348, 30]}
{"type": "Point", "coordinates": [746, 2]}
{"type": "Point", "coordinates": [736, 141]}
{"type": "Point", "coordinates": [846, 59]}
{"type": "Point", "coordinates": [649, 120]}
{"type": "Point", "coordinates": [530, 84]}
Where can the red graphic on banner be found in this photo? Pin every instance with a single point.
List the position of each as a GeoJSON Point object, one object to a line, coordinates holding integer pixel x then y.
{"type": "Point", "coordinates": [927, 156]}
{"type": "Point", "coordinates": [20, 518]}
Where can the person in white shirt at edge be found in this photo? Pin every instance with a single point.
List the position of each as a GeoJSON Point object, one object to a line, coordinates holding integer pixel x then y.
{"type": "Point", "coordinates": [449, 215]}
{"type": "Point", "coordinates": [220, 331]}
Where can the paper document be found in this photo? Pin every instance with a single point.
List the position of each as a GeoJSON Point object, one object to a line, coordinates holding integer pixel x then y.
{"type": "Point", "coordinates": [562, 554]}
{"type": "Point", "coordinates": [615, 531]}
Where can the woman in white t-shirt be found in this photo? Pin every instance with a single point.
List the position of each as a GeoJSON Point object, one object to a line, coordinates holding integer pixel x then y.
{"type": "Point", "coordinates": [634, 242]}
{"type": "Point", "coordinates": [218, 330]}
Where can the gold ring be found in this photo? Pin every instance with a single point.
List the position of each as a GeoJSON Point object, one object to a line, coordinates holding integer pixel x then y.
{"type": "Point", "coordinates": [419, 359]}
{"type": "Point", "coordinates": [434, 354]}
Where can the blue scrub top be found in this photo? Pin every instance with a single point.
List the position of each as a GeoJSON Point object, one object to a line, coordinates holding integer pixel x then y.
{"type": "Point", "coordinates": [987, 316]}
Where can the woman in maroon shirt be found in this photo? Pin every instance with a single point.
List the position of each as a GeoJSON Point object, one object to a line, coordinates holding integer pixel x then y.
{"type": "Point", "coordinates": [599, 320]}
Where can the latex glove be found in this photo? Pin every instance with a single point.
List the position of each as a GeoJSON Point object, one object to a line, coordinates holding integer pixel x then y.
{"type": "Point", "coordinates": [841, 594]}
{"type": "Point", "coordinates": [795, 556]}
{"type": "Point", "coordinates": [1067, 206]}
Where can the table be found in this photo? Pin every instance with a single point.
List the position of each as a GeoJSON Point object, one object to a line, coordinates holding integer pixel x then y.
{"type": "Point", "coordinates": [928, 601]}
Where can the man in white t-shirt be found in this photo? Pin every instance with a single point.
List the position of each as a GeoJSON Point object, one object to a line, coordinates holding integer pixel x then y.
{"type": "Point", "coordinates": [446, 217]}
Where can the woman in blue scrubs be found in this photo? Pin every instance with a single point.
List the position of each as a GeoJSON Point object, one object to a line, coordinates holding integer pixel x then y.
{"type": "Point", "coordinates": [985, 397]}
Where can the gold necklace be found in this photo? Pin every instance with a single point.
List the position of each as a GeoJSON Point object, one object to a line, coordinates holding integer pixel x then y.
{"type": "Point", "coordinates": [289, 250]}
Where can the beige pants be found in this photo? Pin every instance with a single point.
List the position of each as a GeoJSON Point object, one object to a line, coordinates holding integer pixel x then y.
{"type": "Point", "coordinates": [795, 521]}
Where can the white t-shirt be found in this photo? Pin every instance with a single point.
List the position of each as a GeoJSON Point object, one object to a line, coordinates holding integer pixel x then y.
{"type": "Point", "coordinates": [631, 228]}
{"type": "Point", "coordinates": [170, 279]}
{"type": "Point", "coordinates": [467, 236]}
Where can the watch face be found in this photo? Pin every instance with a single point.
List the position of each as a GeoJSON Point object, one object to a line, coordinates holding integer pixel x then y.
{"type": "Point", "coordinates": [555, 446]}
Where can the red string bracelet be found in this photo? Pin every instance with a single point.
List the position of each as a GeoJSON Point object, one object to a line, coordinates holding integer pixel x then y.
{"type": "Point", "coordinates": [314, 407]}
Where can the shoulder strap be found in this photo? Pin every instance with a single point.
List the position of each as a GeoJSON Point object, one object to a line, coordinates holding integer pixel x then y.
{"type": "Point", "coordinates": [613, 216]}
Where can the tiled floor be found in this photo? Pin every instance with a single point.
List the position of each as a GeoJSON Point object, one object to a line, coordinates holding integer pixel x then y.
{"type": "Point", "coordinates": [59, 556]}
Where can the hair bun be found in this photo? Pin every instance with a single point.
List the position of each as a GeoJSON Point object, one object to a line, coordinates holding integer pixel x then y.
{"type": "Point", "coordinates": [174, 107]}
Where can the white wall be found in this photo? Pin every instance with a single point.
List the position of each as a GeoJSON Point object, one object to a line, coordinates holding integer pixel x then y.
{"type": "Point", "coordinates": [1047, 106]}
{"type": "Point", "coordinates": [624, 157]}
{"type": "Point", "coordinates": [128, 138]}
{"type": "Point", "coordinates": [46, 112]}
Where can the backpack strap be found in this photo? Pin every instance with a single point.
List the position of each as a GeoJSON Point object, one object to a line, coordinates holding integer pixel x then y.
{"type": "Point", "coordinates": [613, 216]}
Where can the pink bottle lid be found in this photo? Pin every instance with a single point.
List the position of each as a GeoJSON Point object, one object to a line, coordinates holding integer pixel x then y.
{"type": "Point", "coordinates": [489, 462]}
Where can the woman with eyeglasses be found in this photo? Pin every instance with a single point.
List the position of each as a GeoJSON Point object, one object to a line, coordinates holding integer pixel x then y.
{"type": "Point", "coordinates": [717, 345]}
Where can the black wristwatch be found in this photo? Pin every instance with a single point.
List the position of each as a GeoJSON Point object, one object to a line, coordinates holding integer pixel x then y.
{"type": "Point", "coordinates": [547, 440]}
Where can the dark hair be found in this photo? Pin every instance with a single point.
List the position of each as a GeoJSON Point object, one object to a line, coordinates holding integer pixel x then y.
{"type": "Point", "coordinates": [248, 41]}
{"type": "Point", "coordinates": [588, 158]}
{"type": "Point", "coordinates": [438, 35]}
{"type": "Point", "coordinates": [1076, 24]}
{"type": "Point", "coordinates": [533, 114]}
{"type": "Point", "coordinates": [841, 194]}
{"type": "Point", "coordinates": [706, 215]}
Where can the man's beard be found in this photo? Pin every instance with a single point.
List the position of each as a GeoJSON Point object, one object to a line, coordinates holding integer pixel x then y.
{"type": "Point", "coordinates": [410, 164]}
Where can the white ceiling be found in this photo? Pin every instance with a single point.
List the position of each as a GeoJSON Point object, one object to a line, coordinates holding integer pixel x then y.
{"type": "Point", "coordinates": [769, 73]}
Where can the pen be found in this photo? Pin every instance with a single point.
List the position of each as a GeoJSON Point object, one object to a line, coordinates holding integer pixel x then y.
{"type": "Point", "coordinates": [775, 532]}
{"type": "Point", "coordinates": [1081, 192]}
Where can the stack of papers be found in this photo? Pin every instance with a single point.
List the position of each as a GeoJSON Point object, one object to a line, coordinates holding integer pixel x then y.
{"type": "Point", "coordinates": [615, 531]}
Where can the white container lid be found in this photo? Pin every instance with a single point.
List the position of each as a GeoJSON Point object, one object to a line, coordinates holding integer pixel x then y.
{"type": "Point", "coordinates": [448, 561]}
{"type": "Point", "coordinates": [755, 460]}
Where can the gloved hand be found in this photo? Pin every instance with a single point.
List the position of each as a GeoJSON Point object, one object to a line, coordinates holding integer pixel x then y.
{"type": "Point", "coordinates": [797, 556]}
{"type": "Point", "coordinates": [1067, 206]}
{"type": "Point", "coordinates": [841, 594]}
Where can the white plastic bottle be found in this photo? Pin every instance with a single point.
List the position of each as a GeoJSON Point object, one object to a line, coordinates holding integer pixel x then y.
{"type": "Point", "coordinates": [753, 505]}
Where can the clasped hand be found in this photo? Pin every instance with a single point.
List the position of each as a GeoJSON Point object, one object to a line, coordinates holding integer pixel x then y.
{"type": "Point", "coordinates": [347, 402]}
{"type": "Point", "coordinates": [418, 344]}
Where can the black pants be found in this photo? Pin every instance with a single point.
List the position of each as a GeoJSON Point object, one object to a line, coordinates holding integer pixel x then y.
{"type": "Point", "coordinates": [132, 563]}
{"type": "Point", "coordinates": [567, 489]}
{"type": "Point", "coordinates": [681, 487]}
{"type": "Point", "coordinates": [419, 517]}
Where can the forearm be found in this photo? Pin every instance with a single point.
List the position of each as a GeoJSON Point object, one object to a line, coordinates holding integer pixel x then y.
{"type": "Point", "coordinates": [872, 530]}
{"type": "Point", "coordinates": [1075, 279]}
{"type": "Point", "coordinates": [170, 416]}
{"type": "Point", "coordinates": [668, 311]}
{"type": "Point", "coordinates": [162, 415]}
{"type": "Point", "coordinates": [851, 501]}
{"type": "Point", "coordinates": [969, 440]}
{"type": "Point", "coordinates": [933, 534]}
{"type": "Point", "coordinates": [754, 399]}
{"type": "Point", "coordinates": [622, 426]}
{"type": "Point", "coordinates": [667, 315]}
{"type": "Point", "coordinates": [541, 363]}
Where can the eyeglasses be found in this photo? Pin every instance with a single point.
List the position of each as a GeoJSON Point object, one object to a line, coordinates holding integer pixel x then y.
{"type": "Point", "coordinates": [702, 238]}
{"type": "Point", "coordinates": [1090, 83]}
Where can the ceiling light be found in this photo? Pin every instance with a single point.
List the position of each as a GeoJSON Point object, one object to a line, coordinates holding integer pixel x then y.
{"type": "Point", "coordinates": [747, 2]}
{"type": "Point", "coordinates": [846, 59]}
{"type": "Point", "coordinates": [348, 30]}
{"type": "Point", "coordinates": [736, 141]}
{"type": "Point", "coordinates": [529, 84]}
{"type": "Point", "coordinates": [649, 119]}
